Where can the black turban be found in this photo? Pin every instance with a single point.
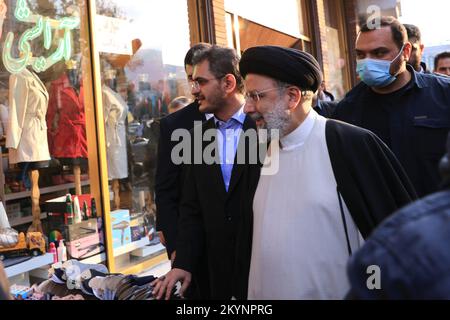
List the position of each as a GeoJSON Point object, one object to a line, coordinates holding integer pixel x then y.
{"type": "Point", "coordinates": [284, 64]}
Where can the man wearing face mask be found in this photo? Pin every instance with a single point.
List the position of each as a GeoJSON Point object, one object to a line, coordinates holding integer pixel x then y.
{"type": "Point", "coordinates": [409, 111]}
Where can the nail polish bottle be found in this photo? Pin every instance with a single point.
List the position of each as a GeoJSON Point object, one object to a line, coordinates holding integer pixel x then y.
{"type": "Point", "coordinates": [52, 250]}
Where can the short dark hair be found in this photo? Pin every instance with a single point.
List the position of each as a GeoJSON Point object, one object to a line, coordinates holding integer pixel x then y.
{"type": "Point", "coordinates": [398, 30]}
{"type": "Point", "coordinates": [222, 61]}
{"type": "Point", "coordinates": [193, 50]}
{"type": "Point", "coordinates": [414, 34]}
{"type": "Point", "coordinates": [442, 55]}
{"type": "Point", "coordinates": [181, 101]}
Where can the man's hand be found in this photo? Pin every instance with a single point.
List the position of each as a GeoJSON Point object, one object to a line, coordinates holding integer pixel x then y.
{"type": "Point", "coordinates": [172, 257]}
{"type": "Point", "coordinates": [166, 283]}
{"type": "Point", "coordinates": [161, 238]}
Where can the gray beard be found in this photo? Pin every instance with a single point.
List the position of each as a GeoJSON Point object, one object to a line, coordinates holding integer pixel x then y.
{"type": "Point", "coordinates": [277, 119]}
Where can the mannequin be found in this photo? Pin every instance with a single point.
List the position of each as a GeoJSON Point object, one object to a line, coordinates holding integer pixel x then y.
{"type": "Point", "coordinates": [66, 122]}
{"type": "Point", "coordinates": [26, 134]}
{"type": "Point", "coordinates": [33, 172]}
{"type": "Point", "coordinates": [115, 113]}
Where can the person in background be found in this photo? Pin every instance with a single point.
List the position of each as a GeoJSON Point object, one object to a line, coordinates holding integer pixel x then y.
{"type": "Point", "coordinates": [323, 102]}
{"type": "Point", "coordinates": [323, 94]}
{"type": "Point", "coordinates": [442, 63]}
{"type": "Point", "coordinates": [417, 47]}
{"type": "Point", "coordinates": [408, 254]}
{"type": "Point", "coordinates": [408, 110]}
{"type": "Point", "coordinates": [178, 103]}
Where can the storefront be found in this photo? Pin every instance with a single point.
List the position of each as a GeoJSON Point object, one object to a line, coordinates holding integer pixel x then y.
{"type": "Point", "coordinates": [84, 84]}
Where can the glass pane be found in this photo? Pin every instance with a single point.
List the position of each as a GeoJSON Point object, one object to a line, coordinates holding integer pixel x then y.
{"type": "Point", "coordinates": [283, 15]}
{"type": "Point", "coordinates": [44, 144]}
{"type": "Point", "coordinates": [142, 72]}
{"type": "Point", "coordinates": [337, 82]}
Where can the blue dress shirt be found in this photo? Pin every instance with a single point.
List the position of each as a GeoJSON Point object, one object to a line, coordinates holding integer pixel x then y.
{"type": "Point", "coordinates": [228, 141]}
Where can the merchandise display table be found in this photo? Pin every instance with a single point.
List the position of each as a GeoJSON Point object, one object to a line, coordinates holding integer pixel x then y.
{"type": "Point", "coordinates": [20, 273]}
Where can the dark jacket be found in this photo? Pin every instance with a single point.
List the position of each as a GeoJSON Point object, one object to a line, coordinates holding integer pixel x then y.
{"type": "Point", "coordinates": [168, 187]}
{"type": "Point", "coordinates": [168, 175]}
{"type": "Point", "coordinates": [325, 108]}
{"type": "Point", "coordinates": [412, 252]}
{"type": "Point", "coordinates": [413, 122]}
{"type": "Point", "coordinates": [219, 222]}
{"type": "Point", "coordinates": [370, 179]}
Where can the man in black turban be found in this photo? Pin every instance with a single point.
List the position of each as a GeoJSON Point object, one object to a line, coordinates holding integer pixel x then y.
{"type": "Point", "coordinates": [328, 185]}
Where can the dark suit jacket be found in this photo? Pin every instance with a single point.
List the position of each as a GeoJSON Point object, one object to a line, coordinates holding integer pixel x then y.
{"type": "Point", "coordinates": [168, 187]}
{"type": "Point", "coordinates": [169, 175]}
{"type": "Point", "coordinates": [326, 108]}
{"type": "Point", "coordinates": [217, 221]}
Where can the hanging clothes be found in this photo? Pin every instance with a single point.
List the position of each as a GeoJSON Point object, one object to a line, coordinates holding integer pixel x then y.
{"type": "Point", "coordinates": [26, 133]}
{"type": "Point", "coordinates": [115, 113]}
{"type": "Point", "coordinates": [66, 120]}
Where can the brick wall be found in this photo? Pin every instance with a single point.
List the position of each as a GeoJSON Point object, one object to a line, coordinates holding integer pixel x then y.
{"type": "Point", "coordinates": [219, 22]}
{"type": "Point", "coordinates": [322, 33]}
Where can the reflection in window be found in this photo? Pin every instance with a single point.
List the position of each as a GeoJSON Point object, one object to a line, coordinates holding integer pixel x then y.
{"type": "Point", "coordinates": [44, 143]}
{"type": "Point", "coordinates": [142, 72]}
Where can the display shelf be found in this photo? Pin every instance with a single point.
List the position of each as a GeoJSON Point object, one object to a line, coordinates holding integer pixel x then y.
{"type": "Point", "coordinates": [98, 258]}
{"type": "Point", "coordinates": [24, 220]}
{"type": "Point", "coordinates": [131, 247]}
{"type": "Point", "coordinates": [148, 250]}
{"type": "Point", "coordinates": [25, 194]}
{"type": "Point", "coordinates": [29, 265]}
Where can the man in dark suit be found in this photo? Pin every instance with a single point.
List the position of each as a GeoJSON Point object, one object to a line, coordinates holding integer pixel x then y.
{"type": "Point", "coordinates": [168, 174]}
{"type": "Point", "coordinates": [216, 206]}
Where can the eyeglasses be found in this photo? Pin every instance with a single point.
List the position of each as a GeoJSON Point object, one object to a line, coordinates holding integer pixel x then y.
{"type": "Point", "coordinates": [258, 95]}
{"type": "Point", "coordinates": [200, 82]}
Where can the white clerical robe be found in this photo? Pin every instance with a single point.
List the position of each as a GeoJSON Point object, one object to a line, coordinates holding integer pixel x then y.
{"type": "Point", "coordinates": [300, 247]}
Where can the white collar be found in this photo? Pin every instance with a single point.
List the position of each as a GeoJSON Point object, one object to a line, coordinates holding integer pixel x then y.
{"type": "Point", "coordinates": [298, 137]}
{"type": "Point", "coordinates": [238, 116]}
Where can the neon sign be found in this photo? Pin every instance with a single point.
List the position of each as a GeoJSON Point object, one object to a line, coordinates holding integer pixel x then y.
{"type": "Point", "coordinates": [43, 25]}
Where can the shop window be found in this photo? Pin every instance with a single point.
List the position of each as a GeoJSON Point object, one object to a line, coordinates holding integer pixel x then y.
{"type": "Point", "coordinates": [253, 23]}
{"type": "Point", "coordinates": [45, 124]}
{"type": "Point", "coordinates": [141, 45]}
{"type": "Point", "coordinates": [287, 16]}
{"type": "Point", "coordinates": [337, 82]}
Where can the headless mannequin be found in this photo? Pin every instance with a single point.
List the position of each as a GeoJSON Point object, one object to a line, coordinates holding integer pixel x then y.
{"type": "Point", "coordinates": [34, 108]}
{"type": "Point", "coordinates": [75, 163]}
{"type": "Point", "coordinates": [109, 79]}
{"type": "Point", "coordinates": [116, 191]}
{"type": "Point", "coordinates": [33, 173]}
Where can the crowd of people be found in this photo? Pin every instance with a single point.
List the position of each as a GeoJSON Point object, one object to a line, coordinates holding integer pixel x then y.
{"type": "Point", "coordinates": [360, 184]}
{"type": "Point", "coordinates": [348, 172]}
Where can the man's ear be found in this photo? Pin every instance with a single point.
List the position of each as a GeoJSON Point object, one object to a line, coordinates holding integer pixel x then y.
{"type": "Point", "coordinates": [230, 83]}
{"type": "Point", "coordinates": [422, 47]}
{"type": "Point", "coordinates": [295, 96]}
{"type": "Point", "coordinates": [407, 51]}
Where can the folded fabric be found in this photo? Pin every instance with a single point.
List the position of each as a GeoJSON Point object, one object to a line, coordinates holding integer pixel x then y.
{"type": "Point", "coordinates": [69, 297]}
{"type": "Point", "coordinates": [74, 270]}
